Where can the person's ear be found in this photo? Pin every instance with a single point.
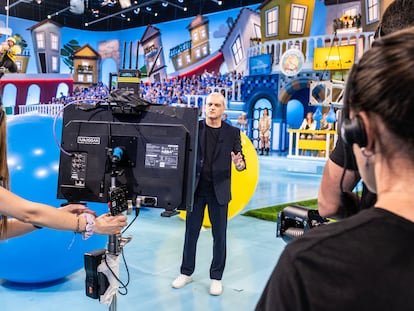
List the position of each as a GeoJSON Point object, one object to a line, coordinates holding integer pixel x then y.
{"type": "Point", "coordinates": [368, 126]}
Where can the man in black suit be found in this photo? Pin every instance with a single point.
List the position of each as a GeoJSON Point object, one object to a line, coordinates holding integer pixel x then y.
{"type": "Point", "coordinates": [218, 145]}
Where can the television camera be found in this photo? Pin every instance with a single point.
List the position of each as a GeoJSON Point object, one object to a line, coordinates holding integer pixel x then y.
{"type": "Point", "coordinates": [294, 220]}
{"type": "Point", "coordinates": [126, 152]}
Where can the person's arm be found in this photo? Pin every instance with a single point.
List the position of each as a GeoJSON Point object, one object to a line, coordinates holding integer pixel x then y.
{"type": "Point", "coordinates": [329, 195]}
{"type": "Point", "coordinates": [268, 124]}
{"type": "Point", "coordinates": [237, 155]}
{"type": "Point", "coordinates": [43, 215]}
{"type": "Point", "coordinates": [16, 227]}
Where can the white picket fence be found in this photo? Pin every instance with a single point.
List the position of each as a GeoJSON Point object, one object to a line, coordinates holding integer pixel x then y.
{"type": "Point", "coordinates": [48, 109]}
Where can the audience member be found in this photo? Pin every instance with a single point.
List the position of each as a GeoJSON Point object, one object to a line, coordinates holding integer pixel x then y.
{"type": "Point", "coordinates": [308, 123]}
{"type": "Point", "coordinates": [264, 131]}
{"type": "Point", "coordinates": [226, 120]}
{"type": "Point", "coordinates": [242, 122]}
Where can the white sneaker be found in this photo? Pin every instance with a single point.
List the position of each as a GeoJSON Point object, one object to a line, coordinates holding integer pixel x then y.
{"type": "Point", "coordinates": [181, 281]}
{"type": "Point", "coordinates": [216, 288]}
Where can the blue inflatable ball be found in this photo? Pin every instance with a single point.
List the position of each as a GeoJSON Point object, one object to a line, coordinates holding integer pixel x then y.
{"type": "Point", "coordinates": [44, 255]}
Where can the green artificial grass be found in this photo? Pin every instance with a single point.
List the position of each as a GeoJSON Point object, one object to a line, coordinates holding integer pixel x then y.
{"type": "Point", "coordinates": [270, 213]}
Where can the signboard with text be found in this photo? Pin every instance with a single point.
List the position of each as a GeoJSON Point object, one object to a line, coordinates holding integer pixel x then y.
{"type": "Point", "coordinates": [334, 58]}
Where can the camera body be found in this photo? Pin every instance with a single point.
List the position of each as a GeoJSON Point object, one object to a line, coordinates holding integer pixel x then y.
{"type": "Point", "coordinates": [294, 220]}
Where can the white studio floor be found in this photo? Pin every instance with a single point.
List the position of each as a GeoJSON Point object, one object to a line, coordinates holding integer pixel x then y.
{"type": "Point", "coordinates": [153, 256]}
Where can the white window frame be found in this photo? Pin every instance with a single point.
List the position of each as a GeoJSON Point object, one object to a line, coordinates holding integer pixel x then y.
{"type": "Point", "coordinates": [195, 36]}
{"type": "Point", "coordinates": [54, 41]}
{"type": "Point", "coordinates": [41, 40]}
{"type": "Point", "coordinates": [257, 31]}
{"type": "Point", "coordinates": [203, 33]}
{"type": "Point", "coordinates": [197, 53]}
{"type": "Point", "coordinates": [297, 19]}
{"type": "Point", "coordinates": [372, 13]}
{"type": "Point", "coordinates": [55, 63]}
{"type": "Point", "coordinates": [237, 50]}
{"type": "Point", "coordinates": [272, 22]}
{"type": "Point", "coordinates": [351, 11]}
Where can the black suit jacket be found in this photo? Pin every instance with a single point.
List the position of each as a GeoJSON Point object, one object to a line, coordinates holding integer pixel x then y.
{"type": "Point", "coordinates": [228, 141]}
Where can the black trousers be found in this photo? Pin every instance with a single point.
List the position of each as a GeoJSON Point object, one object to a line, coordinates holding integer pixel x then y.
{"type": "Point", "coordinates": [9, 64]}
{"type": "Point", "coordinates": [194, 221]}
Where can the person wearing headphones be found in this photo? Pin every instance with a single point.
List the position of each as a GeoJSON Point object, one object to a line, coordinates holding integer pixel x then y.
{"type": "Point", "coordinates": [363, 262]}
{"type": "Point", "coordinates": [340, 175]}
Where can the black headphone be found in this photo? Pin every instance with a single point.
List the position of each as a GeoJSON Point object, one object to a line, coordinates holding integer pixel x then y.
{"type": "Point", "coordinates": [353, 131]}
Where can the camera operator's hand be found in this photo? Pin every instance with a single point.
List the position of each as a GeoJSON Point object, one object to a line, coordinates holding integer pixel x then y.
{"type": "Point", "coordinates": [106, 224]}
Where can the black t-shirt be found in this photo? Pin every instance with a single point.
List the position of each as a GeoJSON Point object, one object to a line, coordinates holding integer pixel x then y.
{"type": "Point", "coordinates": [205, 185]}
{"type": "Point", "coordinates": [343, 156]}
{"type": "Point", "coordinates": [364, 262]}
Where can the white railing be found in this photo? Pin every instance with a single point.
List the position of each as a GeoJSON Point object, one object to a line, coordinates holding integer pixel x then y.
{"type": "Point", "coordinates": [231, 93]}
{"type": "Point", "coordinates": [361, 40]}
{"type": "Point", "coordinates": [48, 109]}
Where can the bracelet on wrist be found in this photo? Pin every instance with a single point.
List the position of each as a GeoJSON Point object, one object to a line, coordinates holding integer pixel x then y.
{"type": "Point", "coordinates": [77, 230]}
{"type": "Point", "coordinates": [90, 225]}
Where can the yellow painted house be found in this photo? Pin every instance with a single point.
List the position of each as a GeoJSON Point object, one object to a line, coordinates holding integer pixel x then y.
{"type": "Point", "coordinates": [86, 64]}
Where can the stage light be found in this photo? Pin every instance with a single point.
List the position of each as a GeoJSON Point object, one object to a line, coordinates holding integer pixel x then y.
{"type": "Point", "coordinates": [136, 11]}
{"type": "Point", "coordinates": [165, 4]}
{"type": "Point", "coordinates": [125, 3]}
{"type": "Point", "coordinates": [77, 6]}
{"type": "Point", "coordinates": [149, 9]}
{"type": "Point", "coordinates": [180, 1]}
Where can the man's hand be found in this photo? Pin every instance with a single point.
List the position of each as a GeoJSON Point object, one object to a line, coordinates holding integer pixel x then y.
{"type": "Point", "coordinates": [238, 161]}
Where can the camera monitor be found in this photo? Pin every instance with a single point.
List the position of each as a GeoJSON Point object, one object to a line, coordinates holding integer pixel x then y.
{"type": "Point", "coordinates": [148, 150]}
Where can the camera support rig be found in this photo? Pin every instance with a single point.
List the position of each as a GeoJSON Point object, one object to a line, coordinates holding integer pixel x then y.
{"type": "Point", "coordinates": [98, 283]}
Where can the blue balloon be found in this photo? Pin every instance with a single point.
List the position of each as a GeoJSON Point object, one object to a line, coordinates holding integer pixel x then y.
{"type": "Point", "coordinates": [317, 116]}
{"type": "Point", "coordinates": [45, 255]}
{"type": "Point", "coordinates": [331, 116]}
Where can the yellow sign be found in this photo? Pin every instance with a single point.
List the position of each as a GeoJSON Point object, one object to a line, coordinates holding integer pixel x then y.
{"type": "Point", "coordinates": [334, 58]}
